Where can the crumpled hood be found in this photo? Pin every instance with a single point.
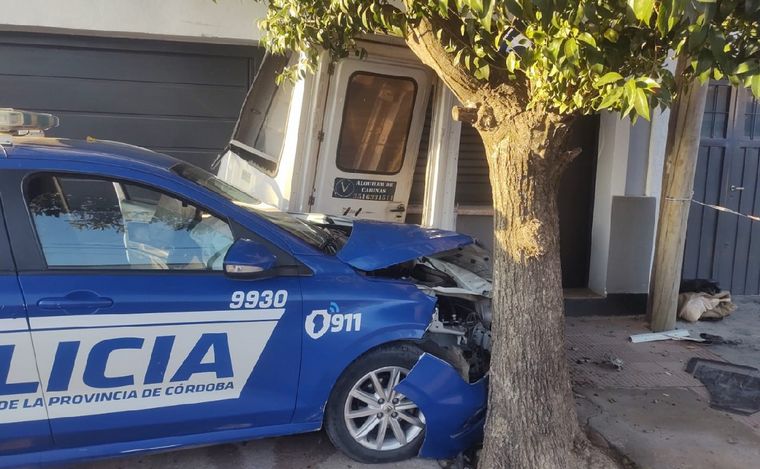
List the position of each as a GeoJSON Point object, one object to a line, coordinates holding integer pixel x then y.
{"type": "Point", "coordinates": [375, 245]}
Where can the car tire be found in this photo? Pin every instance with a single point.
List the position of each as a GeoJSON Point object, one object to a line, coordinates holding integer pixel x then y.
{"type": "Point", "coordinates": [346, 423]}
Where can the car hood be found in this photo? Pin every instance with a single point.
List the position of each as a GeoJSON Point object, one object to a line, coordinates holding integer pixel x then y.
{"type": "Point", "coordinates": [375, 245]}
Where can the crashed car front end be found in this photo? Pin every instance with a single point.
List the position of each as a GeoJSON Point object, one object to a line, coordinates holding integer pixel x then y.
{"type": "Point", "coordinates": [449, 382]}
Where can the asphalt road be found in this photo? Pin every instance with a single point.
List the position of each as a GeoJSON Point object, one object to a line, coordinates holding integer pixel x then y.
{"type": "Point", "coordinates": [311, 450]}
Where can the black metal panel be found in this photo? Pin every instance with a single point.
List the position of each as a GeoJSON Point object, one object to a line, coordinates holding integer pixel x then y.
{"type": "Point", "coordinates": [119, 64]}
{"type": "Point", "coordinates": [178, 98]}
{"type": "Point", "coordinates": [157, 133]}
{"type": "Point", "coordinates": [112, 97]}
{"type": "Point", "coordinates": [719, 245]}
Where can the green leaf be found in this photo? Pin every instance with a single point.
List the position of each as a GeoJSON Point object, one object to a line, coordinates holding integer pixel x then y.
{"type": "Point", "coordinates": [512, 61]}
{"type": "Point", "coordinates": [483, 72]}
{"type": "Point", "coordinates": [611, 35]}
{"type": "Point", "coordinates": [571, 49]}
{"type": "Point", "coordinates": [745, 67]}
{"type": "Point", "coordinates": [641, 103]}
{"type": "Point", "coordinates": [443, 8]}
{"type": "Point", "coordinates": [611, 98]}
{"type": "Point", "coordinates": [487, 16]}
{"type": "Point", "coordinates": [663, 17]}
{"type": "Point", "coordinates": [587, 38]}
{"type": "Point", "coordinates": [648, 83]}
{"type": "Point", "coordinates": [755, 86]}
{"type": "Point", "coordinates": [458, 57]}
{"type": "Point", "coordinates": [642, 9]}
{"type": "Point", "coordinates": [578, 100]}
{"type": "Point", "coordinates": [610, 77]}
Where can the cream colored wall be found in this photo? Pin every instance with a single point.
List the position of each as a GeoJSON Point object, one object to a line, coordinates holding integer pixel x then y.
{"type": "Point", "coordinates": [226, 21]}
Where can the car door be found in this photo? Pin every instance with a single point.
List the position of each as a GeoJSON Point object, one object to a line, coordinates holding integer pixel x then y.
{"type": "Point", "coordinates": [372, 129]}
{"type": "Point", "coordinates": [23, 420]}
{"type": "Point", "coordinates": [138, 333]}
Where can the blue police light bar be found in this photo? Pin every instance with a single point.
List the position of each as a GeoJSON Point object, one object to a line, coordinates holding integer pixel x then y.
{"type": "Point", "coordinates": [14, 121]}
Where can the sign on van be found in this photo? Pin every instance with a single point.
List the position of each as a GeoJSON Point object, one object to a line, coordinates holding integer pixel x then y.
{"type": "Point", "coordinates": [364, 189]}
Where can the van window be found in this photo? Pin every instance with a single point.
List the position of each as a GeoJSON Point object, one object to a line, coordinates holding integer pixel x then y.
{"type": "Point", "coordinates": [376, 121]}
{"type": "Point", "coordinates": [259, 135]}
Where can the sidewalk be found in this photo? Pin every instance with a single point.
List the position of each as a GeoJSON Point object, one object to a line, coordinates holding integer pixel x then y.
{"type": "Point", "coordinates": [309, 450]}
{"type": "Point", "coordinates": [651, 410]}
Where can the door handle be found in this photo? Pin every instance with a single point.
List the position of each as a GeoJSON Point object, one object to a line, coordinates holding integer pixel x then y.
{"type": "Point", "coordinates": [399, 209]}
{"type": "Point", "coordinates": [76, 300]}
{"type": "Point", "coordinates": [736, 188]}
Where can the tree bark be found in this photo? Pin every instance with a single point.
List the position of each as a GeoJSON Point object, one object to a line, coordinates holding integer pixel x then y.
{"type": "Point", "coordinates": [531, 421]}
{"type": "Point", "coordinates": [681, 152]}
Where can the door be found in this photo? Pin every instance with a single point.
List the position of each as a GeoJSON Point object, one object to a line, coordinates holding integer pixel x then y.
{"type": "Point", "coordinates": [372, 127]}
{"type": "Point", "coordinates": [138, 332]}
{"type": "Point", "coordinates": [722, 245]}
{"type": "Point", "coordinates": [23, 421]}
{"type": "Point", "coordinates": [179, 98]}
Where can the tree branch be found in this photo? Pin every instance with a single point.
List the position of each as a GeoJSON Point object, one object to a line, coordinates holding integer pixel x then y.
{"type": "Point", "coordinates": [422, 40]}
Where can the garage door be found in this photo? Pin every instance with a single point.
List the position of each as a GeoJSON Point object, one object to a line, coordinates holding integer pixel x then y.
{"type": "Point", "coordinates": [720, 245]}
{"type": "Point", "coordinates": [177, 98]}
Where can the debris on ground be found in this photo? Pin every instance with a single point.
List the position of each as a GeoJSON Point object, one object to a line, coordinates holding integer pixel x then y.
{"type": "Point", "coordinates": [465, 460]}
{"type": "Point", "coordinates": [655, 336]}
{"type": "Point", "coordinates": [701, 299]}
{"type": "Point", "coordinates": [613, 362]}
{"type": "Point", "coordinates": [712, 339]}
{"type": "Point", "coordinates": [733, 388]}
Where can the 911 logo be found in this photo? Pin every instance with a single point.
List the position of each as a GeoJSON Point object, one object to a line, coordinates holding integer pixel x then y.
{"type": "Point", "coordinates": [320, 321]}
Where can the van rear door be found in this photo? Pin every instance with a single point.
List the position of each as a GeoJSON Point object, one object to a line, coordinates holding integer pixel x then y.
{"type": "Point", "coordinates": [372, 129]}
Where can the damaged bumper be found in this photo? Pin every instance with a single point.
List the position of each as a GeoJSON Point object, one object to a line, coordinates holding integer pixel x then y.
{"type": "Point", "coordinates": [454, 410]}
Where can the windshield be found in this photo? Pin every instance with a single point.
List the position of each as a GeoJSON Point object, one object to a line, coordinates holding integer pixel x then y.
{"type": "Point", "coordinates": [313, 235]}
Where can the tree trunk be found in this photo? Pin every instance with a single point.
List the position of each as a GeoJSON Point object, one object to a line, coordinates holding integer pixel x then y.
{"type": "Point", "coordinates": [681, 151]}
{"type": "Point", "coordinates": [531, 420]}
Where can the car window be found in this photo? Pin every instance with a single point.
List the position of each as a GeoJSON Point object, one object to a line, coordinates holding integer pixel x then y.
{"type": "Point", "coordinates": [311, 234]}
{"type": "Point", "coordinates": [97, 223]}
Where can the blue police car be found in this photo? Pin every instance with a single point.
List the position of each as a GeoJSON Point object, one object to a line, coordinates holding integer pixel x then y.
{"type": "Point", "coordinates": [147, 305]}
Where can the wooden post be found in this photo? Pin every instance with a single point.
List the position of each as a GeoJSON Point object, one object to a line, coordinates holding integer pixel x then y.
{"type": "Point", "coordinates": [681, 152]}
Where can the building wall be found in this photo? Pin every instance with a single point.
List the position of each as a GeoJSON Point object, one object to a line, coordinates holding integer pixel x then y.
{"type": "Point", "coordinates": [628, 183]}
{"type": "Point", "coordinates": [223, 21]}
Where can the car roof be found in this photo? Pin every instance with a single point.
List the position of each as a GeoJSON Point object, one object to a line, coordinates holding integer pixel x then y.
{"type": "Point", "coordinates": [90, 150]}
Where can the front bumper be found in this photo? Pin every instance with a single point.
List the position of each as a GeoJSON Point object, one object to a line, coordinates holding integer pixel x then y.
{"type": "Point", "coordinates": [454, 410]}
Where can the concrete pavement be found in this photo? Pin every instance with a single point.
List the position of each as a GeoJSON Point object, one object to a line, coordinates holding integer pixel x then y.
{"type": "Point", "coordinates": [651, 410]}
{"type": "Point", "coordinates": [311, 450]}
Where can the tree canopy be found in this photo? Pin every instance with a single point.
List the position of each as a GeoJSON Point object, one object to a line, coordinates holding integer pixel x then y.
{"type": "Point", "coordinates": [573, 56]}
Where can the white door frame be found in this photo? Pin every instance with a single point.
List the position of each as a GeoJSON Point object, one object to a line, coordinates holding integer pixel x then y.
{"type": "Point", "coordinates": [439, 204]}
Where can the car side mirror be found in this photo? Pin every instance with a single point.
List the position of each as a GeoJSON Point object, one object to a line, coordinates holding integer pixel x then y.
{"type": "Point", "coordinates": [247, 258]}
